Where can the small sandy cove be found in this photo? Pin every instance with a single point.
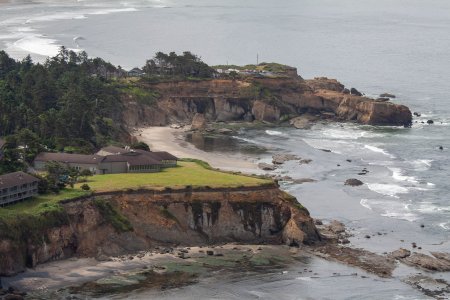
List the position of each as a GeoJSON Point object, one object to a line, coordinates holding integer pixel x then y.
{"type": "Point", "coordinates": [172, 140]}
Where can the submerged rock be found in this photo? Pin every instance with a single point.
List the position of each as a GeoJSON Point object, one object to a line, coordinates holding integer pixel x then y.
{"type": "Point", "coordinates": [305, 161]}
{"type": "Point", "coordinates": [353, 182]}
{"type": "Point", "coordinates": [387, 95]}
{"type": "Point", "coordinates": [225, 131]}
{"type": "Point", "coordinates": [371, 262]}
{"type": "Point", "coordinates": [279, 159]}
{"type": "Point", "coordinates": [436, 288]}
{"type": "Point", "coordinates": [400, 253]}
{"type": "Point", "coordinates": [427, 262]}
{"type": "Point", "coordinates": [266, 167]}
{"type": "Point", "coordinates": [304, 180]}
{"type": "Point", "coordinates": [336, 226]}
{"type": "Point", "coordinates": [305, 121]}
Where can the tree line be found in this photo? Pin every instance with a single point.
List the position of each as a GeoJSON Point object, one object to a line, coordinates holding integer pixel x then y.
{"type": "Point", "coordinates": [70, 102]}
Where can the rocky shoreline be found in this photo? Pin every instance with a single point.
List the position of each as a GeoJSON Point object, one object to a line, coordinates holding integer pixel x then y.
{"type": "Point", "coordinates": [187, 216]}
{"type": "Point", "coordinates": [290, 100]}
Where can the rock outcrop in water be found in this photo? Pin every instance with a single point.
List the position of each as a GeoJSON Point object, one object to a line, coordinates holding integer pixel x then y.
{"type": "Point", "coordinates": [123, 222]}
{"type": "Point", "coordinates": [262, 99]}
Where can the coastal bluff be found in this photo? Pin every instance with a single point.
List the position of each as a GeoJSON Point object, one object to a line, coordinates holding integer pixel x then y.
{"type": "Point", "coordinates": [266, 99]}
{"type": "Point", "coordinates": [116, 223]}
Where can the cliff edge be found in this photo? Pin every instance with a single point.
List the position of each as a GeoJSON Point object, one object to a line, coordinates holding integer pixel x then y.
{"type": "Point", "coordinates": [264, 99]}
{"type": "Point", "coordinates": [116, 223]}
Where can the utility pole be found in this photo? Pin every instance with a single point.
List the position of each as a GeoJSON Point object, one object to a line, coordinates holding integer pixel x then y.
{"type": "Point", "coordinates": [257, 59]}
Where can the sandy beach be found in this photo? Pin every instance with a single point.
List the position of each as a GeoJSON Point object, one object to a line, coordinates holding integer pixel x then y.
{"type": "Point", "coordinates": [172, 140]}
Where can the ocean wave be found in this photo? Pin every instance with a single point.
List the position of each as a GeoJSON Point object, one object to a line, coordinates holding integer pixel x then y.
{"type": "Point", "coordinates": [56, 17]}
{"type": "Point", "coordinates": [397, 174]}
{"type": "Point", "coordinates": [335, 146]}
{"type": "Point", "coordinates": [378, 150]}
{"type": "Point", "coordinates": [348, 133]}
{"type": "Point", "coordinates": [274, 132]}
{"type": "Point", "coordinates": [431, 208]}
{"type": "Point", "coordinates": [402, 216]}
{"type": "Point", "coordinates": [38, 44]}
{"type": "Point", "coordinates": [113, 11]}
{"type": "Point", "coordinates": [387, 189]}
{"type": "Point", "coordinates": [444, 225]}
{"type": "Point", "coordinates": [365, 203]}
{"type": "Point", "coordinates": [390, 209]}
{"type": "Point", "coordinates": [304, 278]}
{"type": "Point", "coordinates": [421, 164]}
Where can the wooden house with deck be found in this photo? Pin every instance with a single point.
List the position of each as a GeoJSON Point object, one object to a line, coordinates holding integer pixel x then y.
{"type": "Point", "coordinates": [17, 186]}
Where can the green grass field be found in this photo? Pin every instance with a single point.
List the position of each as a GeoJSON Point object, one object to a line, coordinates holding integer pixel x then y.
{"type": "Point", "coordinates": [40, 204]}
{"type": "Point", "coordinates": [195, 174]}
{"type": "Point", "coordinates": [186, 174]}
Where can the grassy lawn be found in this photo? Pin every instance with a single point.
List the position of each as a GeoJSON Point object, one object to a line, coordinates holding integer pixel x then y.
{"type": "Point", "coordinates": [187, 173]}
{"type": "Point", "coordinates": [39, 204]}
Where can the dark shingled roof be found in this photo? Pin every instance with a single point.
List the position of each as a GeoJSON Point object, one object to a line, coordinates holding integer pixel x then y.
{"type": "Point", "coordinates": [163, 155]}
{"type": "Point", "coordinates": [159, 155]}
{"type": "Point", "coordinates": [16, 178]}
{"type": "Point", "coordinates": [69, 158]}
{"type": "Point", "coordinates": [135, 159]}
{"type": "Point", "coordinates": [2, 143]}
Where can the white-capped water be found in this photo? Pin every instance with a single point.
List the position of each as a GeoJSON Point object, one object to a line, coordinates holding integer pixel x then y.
{"type": "Point", "coordinates": [387, 189]}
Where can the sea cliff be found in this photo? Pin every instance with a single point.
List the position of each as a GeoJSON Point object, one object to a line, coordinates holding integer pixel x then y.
{"type": "Point", "coordinates": [116, 223]}
{"type": "Point", "coordinates": [273, 100]}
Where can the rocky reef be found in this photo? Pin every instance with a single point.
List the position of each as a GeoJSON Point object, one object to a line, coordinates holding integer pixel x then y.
{"type": "Point", "coordinates": [124, 222]}
{"type": "Point", "coordinates": [264, 99]}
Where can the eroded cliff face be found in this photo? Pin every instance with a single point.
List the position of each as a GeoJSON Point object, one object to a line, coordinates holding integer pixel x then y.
{"type": "Point", "coordinates": [262, 99]}
{"type": "Point", "coordinates": [181, 217]}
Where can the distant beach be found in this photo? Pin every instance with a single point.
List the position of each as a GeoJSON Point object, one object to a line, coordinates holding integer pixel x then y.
{"type": "Point", "coordinates": [172, 140]}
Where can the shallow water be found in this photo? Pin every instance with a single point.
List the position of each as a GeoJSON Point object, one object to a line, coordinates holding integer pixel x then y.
{"type": "Point", "coordinates": [379, 46]}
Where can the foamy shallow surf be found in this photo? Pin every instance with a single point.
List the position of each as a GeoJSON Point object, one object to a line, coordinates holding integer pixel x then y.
{"type": "Point", "coordinates": [387, 189]}
{"type": "Point", "coordinates": [397, 174]}
{"type": "Point", "coordinates": [37, 44]}
{"type": "Point", "coordinates": [390, 209]}
{"type": "Point", "coordinates": [274, 132]}
{"type": "Point", "coordinates": [422, 164]}
{"type": "Point", "coordinates": [25, 35]}
{"type": "Point", "coordinates": [378, 150]}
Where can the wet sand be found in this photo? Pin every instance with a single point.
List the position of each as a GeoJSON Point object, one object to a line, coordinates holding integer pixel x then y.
{"type": "Point", "coordinates": [172, 140]}
{"type": "Point", "coordinates": [76, 271]}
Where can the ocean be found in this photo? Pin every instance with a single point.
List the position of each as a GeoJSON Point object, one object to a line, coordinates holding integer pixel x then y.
{"type": "Point", "coordinates": [377, 46]}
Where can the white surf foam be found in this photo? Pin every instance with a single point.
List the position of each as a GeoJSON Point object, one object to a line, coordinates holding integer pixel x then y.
{"type": "Point", "coordinates": [422, 164]}
{"type": "Point", "coordinates": [38, 44]}
{"type": "Point", "coordinates": [274, 132]}
{"type": "Point", "coordinates": [366, 203]}
{"type": "Point", "coordinates": [445, 225]}
{"type": "Point", "coordinates": [403, 216]}
{"type": "Point", "coordinates": [305, 278]}
{"type": "Point", "coordinates": [113, 11]}
{"type": "Point", "coordinates": [378, 150]}
{"type": "Point", "coordinates": [56, 17]}
{"type": "Point", "coordinates": [391, 209]}
{"type": "Point", "coordinates": [348, 133]}
{"type": "Point", "coordinates": [397, 174]}
{"type": "Point", "coordinates": [387, 189]}
{"type": "Point", "coordinates": [430, 208]}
